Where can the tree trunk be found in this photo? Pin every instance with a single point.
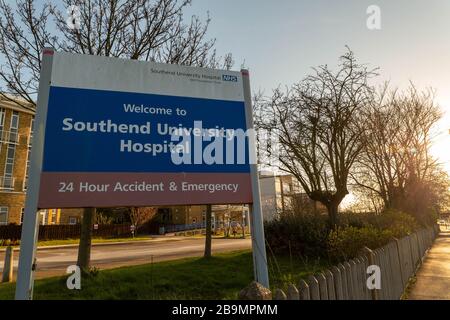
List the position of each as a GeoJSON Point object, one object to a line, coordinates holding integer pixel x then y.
{"type": "Point", "coordinates": [84, 249]}
{"type": "Point", "coordinates": [333, 215]}
{"type": "Point", "coordinates": [208, 231]}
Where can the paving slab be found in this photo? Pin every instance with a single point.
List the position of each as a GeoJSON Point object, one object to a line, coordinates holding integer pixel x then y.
{"type": "Point", "coordinates": [433, 277]}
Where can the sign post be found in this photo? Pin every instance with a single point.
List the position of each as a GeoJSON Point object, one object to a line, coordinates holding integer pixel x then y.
{"type": "Point", "coordinates": [257, 228]}
{"type": "Point", "coordinates": [24, 285]}
{"type": "Point", "coordinates": [115, 133]}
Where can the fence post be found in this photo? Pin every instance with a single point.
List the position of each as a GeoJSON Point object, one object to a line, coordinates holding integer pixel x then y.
{"type": "Point", "coordinates": [403, 276]}
{"type": "Point", "coordinates": [359, 281]}
{"type": "Point", "coordinates": [8, 266]}
{"type": "Point", "coordinates": [419, 252]}
{"type": "Point", "coordinates": [355, 279]}
{"type": "Point", "coordinates": [344, 281]}
{"type": "Point", "coordinates": [303, 289]}
{"type": "Point", "coordinates": [330, 285]}
{"type": "Point", "coordinates": [348, 271]}
{"type": "Point", "coordinates": [313, 288]}
{"type": "Point", "coordinates": [279, 295]}
{"type": "Point", "coordinates": [371, 257]}
{"type": "Point", "coordinates": [413, 251]}
{"type": "Point", "coordinates": [293, 293]}
{"type": "Point", "coordinates": [337, 283]}
{"type": "Point", "coordinates": [322, 286]}
{"type": "Point", "coordinates": [362, 272]}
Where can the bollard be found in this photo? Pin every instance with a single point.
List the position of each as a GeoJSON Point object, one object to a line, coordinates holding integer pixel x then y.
{"type": "Point", "coordinates": [8, 266]}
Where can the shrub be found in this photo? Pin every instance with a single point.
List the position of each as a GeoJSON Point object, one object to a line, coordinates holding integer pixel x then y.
{"type": "Point", "coordinates": [308, 235]}
{"type": "Point", "coordinates": [346, 243]}
{"type": "Point", "coordinates": [304, 235]}
{"type": "Point", "coordinates": [399, 223]}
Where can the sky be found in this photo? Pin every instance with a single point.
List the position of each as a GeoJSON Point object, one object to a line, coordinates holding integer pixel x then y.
{"type": "Point", "coordinates": [279, 42]}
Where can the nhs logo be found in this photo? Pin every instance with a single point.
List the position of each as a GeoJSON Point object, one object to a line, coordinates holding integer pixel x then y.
{"type": "Point", "coordinates": [227, 77]}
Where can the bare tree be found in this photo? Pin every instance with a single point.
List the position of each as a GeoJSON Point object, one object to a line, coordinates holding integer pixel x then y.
{"type": "Point", "coordinates": [141, 215]}
{"type": "Point", "coordinates": [24, 31]}
{"type": "Point", "coordinates": [396, 164]}
{"type": "Point", "coordinates": [149, 30]}
{"type": "Point", "coordinates": [315, 122]}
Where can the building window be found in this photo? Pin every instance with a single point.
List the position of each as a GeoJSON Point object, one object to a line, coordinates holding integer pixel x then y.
{"type": "Point", "coordinates": [53, 211]}
{"type": "Point", "coordinates": [14, 128]}
{"type": "Point", "coordinates": [2, 123]}
{"type": "Point", "coordinates": [27, 167]}
{"type": "Point", "coordinates": [30, 141]}
{"type": "Point", "coordinates": [42, 217]}
{"type": "Point", "coordinates": [22, 213]}
{"type": "Point", "coordinates": [3, 215]}
{"type": "Point", "coordinates": [72, 220]}
{"type": "Point", "coordinates": [8, 179]}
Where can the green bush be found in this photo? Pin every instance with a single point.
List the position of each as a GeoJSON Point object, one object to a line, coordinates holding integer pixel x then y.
{"type": "Point", "coordinates": [368, 230]}
{"type": "Point", "coordinates": [298, 235]}
{"type": "Point", "coordinates": [309, 235]}
{"type": "Point", "coordinates": [9, 242]}
{"type": "Point", "coordinates": [399, 223]}
{"type": "Point", "coordinates": [346, 243]}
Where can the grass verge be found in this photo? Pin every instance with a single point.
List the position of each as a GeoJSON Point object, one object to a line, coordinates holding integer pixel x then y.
{"type": "Point", "coordinates": [220, 277]}
{"type": "Point", "coordinates": [47, 243]}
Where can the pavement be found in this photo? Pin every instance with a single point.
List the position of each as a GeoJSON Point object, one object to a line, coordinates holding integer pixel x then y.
{"type": "Point", "coordinates": [433, 277]}
{"type": "Point", "coordinates": [53, 261]}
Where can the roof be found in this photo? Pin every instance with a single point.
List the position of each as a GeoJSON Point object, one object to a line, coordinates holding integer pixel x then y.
{"type": "Point", "coordinates": [5, 103]}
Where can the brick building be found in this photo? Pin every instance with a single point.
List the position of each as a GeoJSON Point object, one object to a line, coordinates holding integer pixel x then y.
{"type": "Point", "coordinates": [185, 215]}
{"type": "Point", "coordinates": [16, 131]}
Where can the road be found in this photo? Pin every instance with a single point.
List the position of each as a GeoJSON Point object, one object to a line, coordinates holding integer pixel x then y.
{"type": "Point", "coordinates": [54, 261]}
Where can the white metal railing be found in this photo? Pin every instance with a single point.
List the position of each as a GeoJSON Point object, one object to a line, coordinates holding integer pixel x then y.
{"type": "Point", "coordinates": [7, 183]}
{"type": "Point", "coordinates": [7, 136]}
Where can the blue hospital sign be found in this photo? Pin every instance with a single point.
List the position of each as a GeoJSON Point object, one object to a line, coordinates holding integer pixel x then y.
{"type": "Point", "coordinates": [124, 132]}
